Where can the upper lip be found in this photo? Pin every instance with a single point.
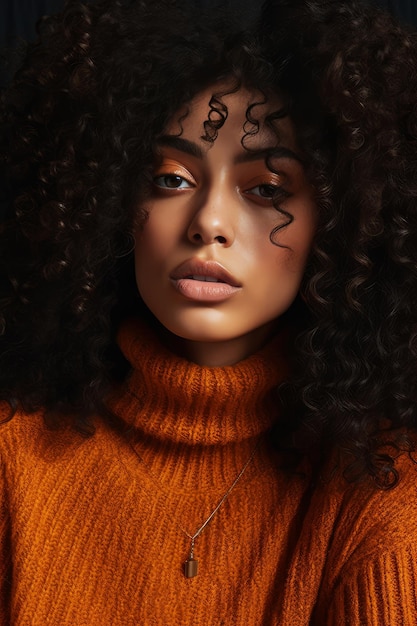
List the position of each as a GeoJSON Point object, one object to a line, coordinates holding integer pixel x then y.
{"type": "Point", "coordinates": [198, 267]}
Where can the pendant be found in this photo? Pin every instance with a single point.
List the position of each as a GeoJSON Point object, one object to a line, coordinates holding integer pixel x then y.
{"type": "Point", "coordinates": [190, 567]}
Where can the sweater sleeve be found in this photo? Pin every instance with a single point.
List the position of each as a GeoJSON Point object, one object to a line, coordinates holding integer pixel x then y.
{"type": "Point", "coordinates": [5, 556]}
{"type": "Point", "coordinates": [382, 591]}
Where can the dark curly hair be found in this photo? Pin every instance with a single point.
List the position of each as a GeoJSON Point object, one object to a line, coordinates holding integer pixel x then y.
{"type": "Point", "coordinates": [77, 143]}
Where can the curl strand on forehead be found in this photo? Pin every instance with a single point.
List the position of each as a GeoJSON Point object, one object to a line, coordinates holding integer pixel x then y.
{"type": "Point", "coordinates": [218, 112]}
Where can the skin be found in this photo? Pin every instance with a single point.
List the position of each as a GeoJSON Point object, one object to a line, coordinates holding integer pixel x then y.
{"type": "Point", "coordinates": [211, 210]}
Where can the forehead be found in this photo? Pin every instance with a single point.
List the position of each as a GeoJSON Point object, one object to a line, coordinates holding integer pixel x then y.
{"type": "Point", "coordinates": [257, 118]}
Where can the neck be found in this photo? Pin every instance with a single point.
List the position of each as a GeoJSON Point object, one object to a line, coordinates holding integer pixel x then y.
{"type": "Point", "coordinates": [220, 353]}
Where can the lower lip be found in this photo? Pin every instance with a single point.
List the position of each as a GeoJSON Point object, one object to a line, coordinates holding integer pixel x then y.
{"type": "Point", "coordinates": [204, 291]}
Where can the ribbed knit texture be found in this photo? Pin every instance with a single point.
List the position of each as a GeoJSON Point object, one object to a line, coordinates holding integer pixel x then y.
{"type": "Point", "coordinates": [90, 535]}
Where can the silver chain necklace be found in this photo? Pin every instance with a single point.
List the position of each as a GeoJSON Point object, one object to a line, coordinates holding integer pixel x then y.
{"type": "Point", "coordinates": [190, 567]}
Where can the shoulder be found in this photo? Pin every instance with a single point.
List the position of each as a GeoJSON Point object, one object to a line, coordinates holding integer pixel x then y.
{"type": "Point", "coordinates": [371, 564]}
{"type": "Point", "coordinates": [18, 430]}
{"type": "Point", "coordinates": [27, 443]}
{"type": "Point", "coordinates": [38, 463]}
{"type": "Point", "coordinates": [368, 515]}
{"type": "Point", "coordinates": [372, 548]}
{"type": "Point", "coordinates": [397, 506]}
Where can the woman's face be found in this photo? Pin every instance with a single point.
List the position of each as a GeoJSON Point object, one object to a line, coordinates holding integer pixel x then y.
{"type": "Point", "coordinates": [205, 263]}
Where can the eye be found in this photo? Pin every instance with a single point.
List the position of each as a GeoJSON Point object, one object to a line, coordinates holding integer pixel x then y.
{"type": "Point", "coordinates": [266, 192]}
{"type": "Point", "coordinates": [172, 181]}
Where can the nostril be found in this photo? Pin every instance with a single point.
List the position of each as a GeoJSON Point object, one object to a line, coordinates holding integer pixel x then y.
{"type": "Point", "coordinates": [199, 238]}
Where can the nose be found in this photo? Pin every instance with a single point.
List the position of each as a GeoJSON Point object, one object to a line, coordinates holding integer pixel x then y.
{"type": "Point", "coordinates": [213, 220]}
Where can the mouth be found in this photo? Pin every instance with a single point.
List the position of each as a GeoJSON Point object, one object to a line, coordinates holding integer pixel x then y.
{"type": "Point", "coordinates": [204, 271]}
{"type": "Point", "coordinates": [204, 281]}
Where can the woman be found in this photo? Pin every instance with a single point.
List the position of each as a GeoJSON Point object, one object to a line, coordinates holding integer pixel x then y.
{"type": "Point", "coordinates": [200, 217]}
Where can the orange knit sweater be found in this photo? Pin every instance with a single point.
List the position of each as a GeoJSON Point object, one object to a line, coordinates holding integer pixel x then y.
{"type": "Point", "coordinates": [93, 531]}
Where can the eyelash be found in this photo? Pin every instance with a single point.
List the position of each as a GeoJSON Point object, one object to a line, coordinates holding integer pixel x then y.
{"type": "Point", "coordinates": [165, 177]}
{"type": "Point", "coordinates": [275, 193]}
{"type": "Point", "coordinates": [272, 190]}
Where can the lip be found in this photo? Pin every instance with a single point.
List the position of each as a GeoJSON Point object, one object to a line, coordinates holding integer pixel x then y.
{"type": "Point", "coordinates": [189, 280]}
{"type": "Point", "coordinates": [210, 269]}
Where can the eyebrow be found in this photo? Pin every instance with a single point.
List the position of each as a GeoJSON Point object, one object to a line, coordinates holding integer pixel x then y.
{"type": "Point", "coordinates": [181, 144]}
{"type": "Point", "coordinates": [279, 152]}
{"type": "Point", "coordinates": [193, 149]}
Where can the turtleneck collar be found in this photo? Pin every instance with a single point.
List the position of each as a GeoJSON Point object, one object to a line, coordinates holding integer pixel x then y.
{"type": "Point", "coordinates": [172, 400]}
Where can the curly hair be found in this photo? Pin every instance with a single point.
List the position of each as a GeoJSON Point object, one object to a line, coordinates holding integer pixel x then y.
{"type": "Point", "coordinates": [356, 364]}
{"type": "Point", "coordinates": [77, 142]}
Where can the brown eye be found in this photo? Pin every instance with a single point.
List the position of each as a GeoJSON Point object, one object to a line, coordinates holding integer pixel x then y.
{"type": "Point", "coordinates": [172, 181]}
{"type": "Point", "coordinates": [267, 192]}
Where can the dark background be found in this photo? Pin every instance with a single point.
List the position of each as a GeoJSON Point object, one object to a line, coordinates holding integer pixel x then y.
{"type": "Point", "coordinates": [18, 21]}
{"type": "Point", "coordinates": [18, 17]}
{"type": "Point", "coordinates": [404, 9]}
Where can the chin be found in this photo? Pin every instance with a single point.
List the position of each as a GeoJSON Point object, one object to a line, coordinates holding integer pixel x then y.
{"type": "Point", "coordinates": [200, 335]}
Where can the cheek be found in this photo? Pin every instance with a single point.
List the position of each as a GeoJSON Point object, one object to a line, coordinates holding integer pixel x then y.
{"type": "Point", "coordinates": [283, 265]}
{"type": "Point", "coordinates": [145, 247]}
{"type": "Point", "coordinates": [165, 227]}
{"type": "Point", "coordinates": [298, 240]}
{"type": "Point", "coordinates": [295, 258]}
{"type": "Point", "coordinates": [291, 250]}
{"type": "Point", "coordinates": [153, 242]}
{"type": "Point", "coordinates": [282, 284]}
